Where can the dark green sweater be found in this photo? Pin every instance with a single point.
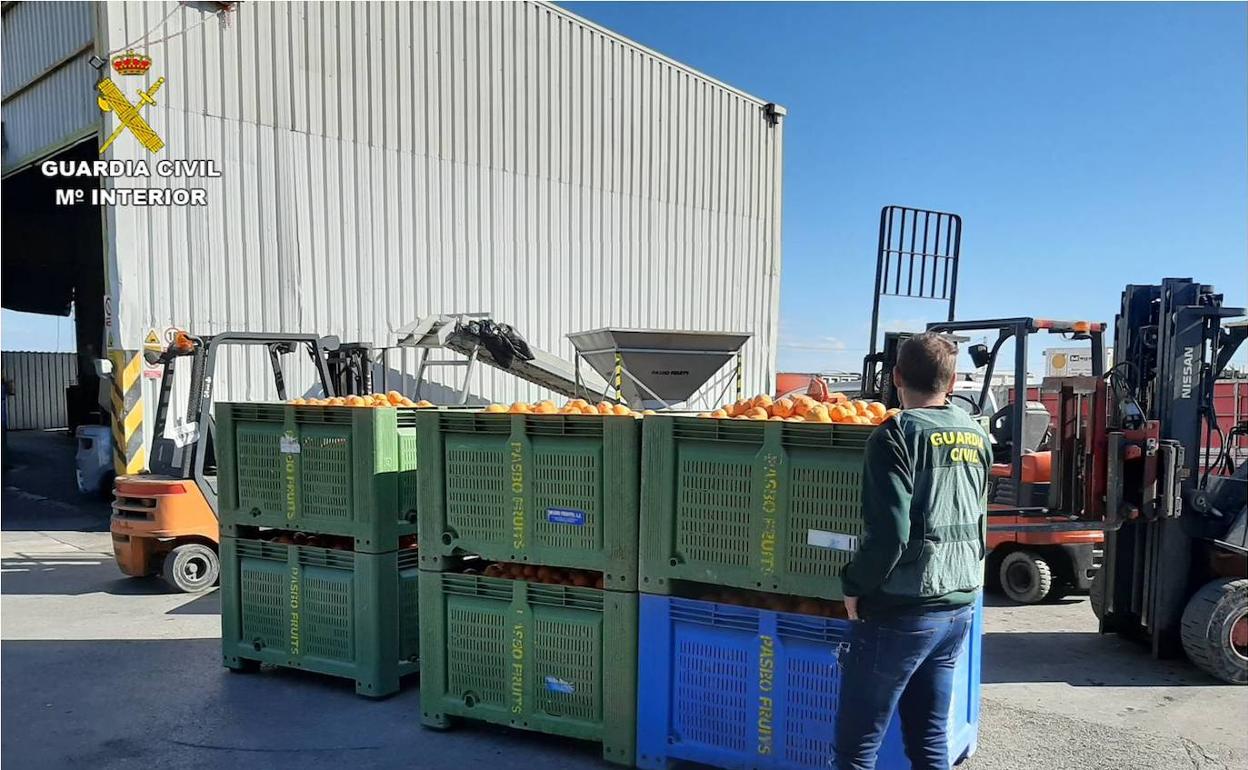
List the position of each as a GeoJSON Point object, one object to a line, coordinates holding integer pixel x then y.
{"type": "Point", "coordinates": [924, 505]}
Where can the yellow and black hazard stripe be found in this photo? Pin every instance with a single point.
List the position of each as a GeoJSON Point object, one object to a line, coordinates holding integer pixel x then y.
{"type": "Point", "coordinates": [619, 378]}
{"type": "Point", "coordinates": [129, 456]}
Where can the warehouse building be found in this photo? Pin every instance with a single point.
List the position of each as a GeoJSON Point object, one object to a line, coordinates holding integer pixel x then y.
{"type": "Point", "coordinates": [366, 164]}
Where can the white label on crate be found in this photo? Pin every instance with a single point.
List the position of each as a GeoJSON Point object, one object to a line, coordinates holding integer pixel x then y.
{"type": "Point", "coordinates": [290, 445]}
{"type": "Point", "coordinates": [565, 516]}
{"type": "Point", "coordinates": [555, 684]}
{"type": "Point", "coordinates": [834, 540]}
{"type": "Point", "coordinates": [186, 434]}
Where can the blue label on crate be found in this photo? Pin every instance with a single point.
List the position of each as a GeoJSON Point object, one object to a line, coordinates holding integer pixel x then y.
{"type": "Point", "coordinates": [555, 684]}
{"type": "Point", "coordinates": [565, 516]}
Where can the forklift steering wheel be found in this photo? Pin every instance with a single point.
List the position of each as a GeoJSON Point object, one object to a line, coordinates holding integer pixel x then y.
{"type": "Point", "coordinates": [975, 411]}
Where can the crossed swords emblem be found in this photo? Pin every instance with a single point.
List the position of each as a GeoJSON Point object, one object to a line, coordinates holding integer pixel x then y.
{"type": "Point", "coordinates": [111, 99]}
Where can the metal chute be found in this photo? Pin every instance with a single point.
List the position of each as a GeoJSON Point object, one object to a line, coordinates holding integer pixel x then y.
{"type": "Point", "coordinates": [657, 368]}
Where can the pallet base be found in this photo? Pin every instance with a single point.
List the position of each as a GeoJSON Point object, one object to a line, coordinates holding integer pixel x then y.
{"type": "Point", "coordinates": [615, 754]}
{"type": "Point", "coordinates": [371, 688]}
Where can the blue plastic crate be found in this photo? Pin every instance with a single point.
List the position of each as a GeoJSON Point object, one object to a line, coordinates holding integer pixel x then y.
{"type": "Point", "coordinates": [736, 687]}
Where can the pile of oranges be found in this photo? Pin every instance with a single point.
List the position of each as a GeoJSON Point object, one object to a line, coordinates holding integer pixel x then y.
{"type": "Point", "coordinates": [393, 398]}
{"type": "Point", "coordinates": [575, 406]}
{"type": "Point", "coordinates": [827, 608]}
{"type": "Point", "coordinates": [577, 578]}
{"type": "Point", "coordinates": [837, 409]}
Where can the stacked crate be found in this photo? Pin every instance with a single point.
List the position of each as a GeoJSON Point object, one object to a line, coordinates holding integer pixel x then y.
{"type": "Point", "coordinates": [549, 495]}
{"type": "Point", "coordinates": [745, 528]}
{"type": "Point", "coordinates": [318, 530]}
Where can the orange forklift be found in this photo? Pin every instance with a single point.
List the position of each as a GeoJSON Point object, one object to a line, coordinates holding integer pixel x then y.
{"type": "Point", "coordinates": [164, 521]}
{"type": "Point", "coordinates": [918, 258]}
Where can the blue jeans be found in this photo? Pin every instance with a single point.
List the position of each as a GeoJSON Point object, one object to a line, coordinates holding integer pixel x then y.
{"type": "Point", "coordinates": [905, 664]}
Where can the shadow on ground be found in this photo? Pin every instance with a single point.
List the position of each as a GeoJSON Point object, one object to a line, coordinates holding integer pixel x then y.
{"type": "Point", "coordinates": [1081, 659]}
{"type": "Point", "coordinates": [998, 599]}
{"type": "Point", "coordinates": [72, 574]}
{"type": "Point", "coordinates": [169, 703]}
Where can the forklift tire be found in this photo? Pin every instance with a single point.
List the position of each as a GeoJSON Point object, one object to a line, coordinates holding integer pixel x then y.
{"type": "Point", "coordinates": [1096, 594]}
{"type": "Point", "coordinates": [1025, 577]}
{"type": "Point", "coordinates": [1215, 629]}
{"type": "Point", "coordinates": [191, 568]}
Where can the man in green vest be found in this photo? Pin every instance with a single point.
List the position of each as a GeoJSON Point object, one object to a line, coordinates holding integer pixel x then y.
{"type": "Point", "coordinates": [912, 585]}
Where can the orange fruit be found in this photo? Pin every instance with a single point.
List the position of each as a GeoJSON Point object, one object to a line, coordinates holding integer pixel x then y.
{"type": "Point", "coordinates": [860, 407]}
{"type": "Point", "coordinates": [519, 407]}
{"type": "Point", "coordinates": [704, 414]}
{"type": "Point", "coordinates": [782, 408]}
{"type": "Point", "coordinates": [605, 407]}
{"type": "Point", "coordinates": [298, 401]}
{"type": "Point", "coordinates": [589, 409]}
{"type": "Point", "coordinates": [802, 406]}
{"type": "Point", "coordinates": [757, 413]}
{"type": "Point", "coordinates": [622, 409]}
{"type": "Point", "coordinates": [793, 419]}
{"type": "Point", "coordinates": [423, 404]}
{"type": "Point", "coordinates": [545, 407]}
{"type": "Point", "coordinates": [337, 401]}
{"type": "Point", "coordinates": [578, 403]}
{"type": "Point", "coordinates": [394, 397]}
{"type": "Point", "coordinates": [836, 398]}
{"type": "Point", "coordinates": [818, 413]}
{"type": "Point", "coordinates": [718, 413]}
{"type": "Point", "coordinates": [762, 400]}
{"type": "Point", "coordinates": [495, 409]}
{"type": "Point", "coordinates": [354, 401]}
{"type": "Point", "coordinates": [776, 418]}
{"type": "Point", "coordinates": [648, 411]}
{"type": "Point", "coordinates": [876, 409]}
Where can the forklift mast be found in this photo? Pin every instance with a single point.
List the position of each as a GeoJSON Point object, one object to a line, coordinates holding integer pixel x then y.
{"type": "Point", "coordinates": [187, 452]}
{"type": "Point", "coordinates": [1160, 512]}
{"type": "Point", "coordinates": [351, 368]}
{"type": "Point", "coordinates": [917, 257]}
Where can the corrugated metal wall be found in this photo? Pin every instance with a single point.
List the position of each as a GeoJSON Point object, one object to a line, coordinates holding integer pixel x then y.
{"type": "Point", "coordinates": [48, 85]}
{"type": "Point", "coordinates": [383, 161]}
{"type": "Point", "coordinates": [39, 381]}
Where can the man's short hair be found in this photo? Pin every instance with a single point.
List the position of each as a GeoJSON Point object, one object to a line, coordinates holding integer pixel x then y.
{"type": "Point", "coordinates": [927, 362]}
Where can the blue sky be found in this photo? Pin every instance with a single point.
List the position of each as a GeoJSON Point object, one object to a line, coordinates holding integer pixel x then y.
{"type": "Point", "coordinates": [1087, 146]}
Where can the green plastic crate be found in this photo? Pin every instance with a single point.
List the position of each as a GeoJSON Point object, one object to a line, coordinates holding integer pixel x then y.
{"type": "Point", "coordinates": [556, 490]}
{"type": "Point", "coordinates": [553, 659]}
{"type": "Point", "coordinates": [327, 470]}
{"type": "Point", "coordinates": [353, 615]}
{"type": "Point", "coordinates": [760, 505]}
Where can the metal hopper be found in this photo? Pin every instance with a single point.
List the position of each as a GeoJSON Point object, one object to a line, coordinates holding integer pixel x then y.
{"type": "Point", "coordinates": [656, 368]}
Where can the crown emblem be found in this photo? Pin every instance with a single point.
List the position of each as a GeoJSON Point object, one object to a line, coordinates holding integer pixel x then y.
{"type": "Point", "coordinates": [131, 63]}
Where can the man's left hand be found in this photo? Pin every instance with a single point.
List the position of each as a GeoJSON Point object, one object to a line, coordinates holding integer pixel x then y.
{"type": "Point", "coordinates": [851, 607]}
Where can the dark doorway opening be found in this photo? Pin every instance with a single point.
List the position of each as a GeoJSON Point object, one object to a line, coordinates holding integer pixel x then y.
{"type": "Point", "coordinates": [53, 262]}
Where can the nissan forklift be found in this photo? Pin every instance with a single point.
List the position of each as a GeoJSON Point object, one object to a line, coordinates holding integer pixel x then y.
{"type": "Point", "coordinates": [164, 521]}
{"type": "Point", "coordinates": [1175, 505]}
{"type": "Point", "coordinates": [918, 258]}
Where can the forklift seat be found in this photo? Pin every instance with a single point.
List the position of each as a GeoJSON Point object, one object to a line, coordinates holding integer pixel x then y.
{"type": "Point", "coordinates": [1037, 468]}
{"type": "Point", "coordinates": [1036, 419]}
